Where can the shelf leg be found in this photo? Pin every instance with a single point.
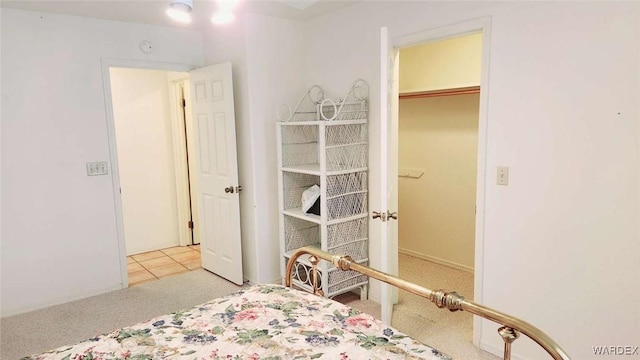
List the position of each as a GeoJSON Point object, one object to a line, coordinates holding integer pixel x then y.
{"type": "Point", "coordinates": [364, 292]}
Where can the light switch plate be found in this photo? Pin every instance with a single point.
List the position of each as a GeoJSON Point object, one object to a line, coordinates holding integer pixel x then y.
{"type": "Point", "coordinates": [97, 168]}
{"type": "Point", "coordinates": [503, 175]}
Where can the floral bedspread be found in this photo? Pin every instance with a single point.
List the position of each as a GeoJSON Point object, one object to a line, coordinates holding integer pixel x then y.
{"type": "Point", "coordinates": [266, 322]}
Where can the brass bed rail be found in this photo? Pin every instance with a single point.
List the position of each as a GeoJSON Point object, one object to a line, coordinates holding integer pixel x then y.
{"type": "Point", "coordinates": [509, 331]}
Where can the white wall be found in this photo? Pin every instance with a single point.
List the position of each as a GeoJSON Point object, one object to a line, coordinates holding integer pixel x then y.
{"type": "Point", "coordinates": [58, 224]}
{"type": "Point", "coordinates": [267, 62]}
{"type": "Point", "coordinates": [275, 68]}
{"type": "Point", "coordinates": [146, 166]}
{"type": "Point", "coordinates": [228, 43]}
{"type": "Point", "coordinates": [562, 240]}
{"type": "Point", "coordinates": [438, 135]}
{"type": "Point", "coordinates": [563, 114]}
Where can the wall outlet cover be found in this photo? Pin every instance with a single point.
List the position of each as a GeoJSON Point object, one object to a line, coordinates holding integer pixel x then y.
{"type": "Point", "coordinates": [503, 175]}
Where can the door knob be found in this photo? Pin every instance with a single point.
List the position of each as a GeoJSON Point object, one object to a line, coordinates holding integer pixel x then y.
{"type": "Point", "coordinates": [384, 216]}
{"type": "Point", "coordinates": [379, 215]}
{"type": "Point", "coordinates": [229, 189]}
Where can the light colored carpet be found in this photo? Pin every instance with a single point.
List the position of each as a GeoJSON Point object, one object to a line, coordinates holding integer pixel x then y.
{"type": "Point", "coordinates": [448, 332]}
{"type": "Point", "coordinates": [66, 324]}
{"type": "Point", "coordinates": [69, 323]}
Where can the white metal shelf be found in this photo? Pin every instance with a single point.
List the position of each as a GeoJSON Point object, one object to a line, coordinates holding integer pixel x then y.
{"type": "Point", "coordinates": [350, 285]}
{"type": "Point", "coordinates": [314, 169]}
{"type": "Point", "coordinates": [311, 169]}
{"type": "Point", "coordinates": [345, 145]}
{"type": "Point", "coordinates": [332, 154]}
{"type": "Point", "coordinates": [297, 213]}
{"type": "Point", "coordinates": [304, 260]}
{"type": "Point", "coordinates": [323, 122]}
{"type": "Point", "coordinates": [345, 219]}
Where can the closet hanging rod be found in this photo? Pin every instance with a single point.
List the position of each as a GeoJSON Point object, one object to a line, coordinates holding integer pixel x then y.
{"type": "Point", "coordinates": [444, 92]}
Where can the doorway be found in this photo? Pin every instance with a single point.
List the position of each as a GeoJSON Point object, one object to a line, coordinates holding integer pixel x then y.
{"type": "Point", "coordinates": [439, 87]}
{"type": "Point", "coordinates": [389, 120]}
{"type": "Point", "coordinates": [153, 144]}
{"type": "Point", "coordinates": [438, 114]}
{"type": "Point", "coordinates": [212, 128]}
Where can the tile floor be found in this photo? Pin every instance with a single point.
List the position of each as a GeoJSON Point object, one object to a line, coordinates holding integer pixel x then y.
{"type": "Point", "coordinates": [160, 263]}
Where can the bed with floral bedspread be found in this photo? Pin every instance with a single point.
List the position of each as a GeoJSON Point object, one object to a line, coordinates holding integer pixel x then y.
{"type": "Point", "coordinates": [259, 322]}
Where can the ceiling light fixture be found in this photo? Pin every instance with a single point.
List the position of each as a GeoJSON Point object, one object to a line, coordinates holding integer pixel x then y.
{"type": "Point", "coordinates": [180, 10]}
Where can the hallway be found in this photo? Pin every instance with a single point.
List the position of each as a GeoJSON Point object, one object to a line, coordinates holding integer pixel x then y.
{"type": "Point", "coordinates": [154, 265]}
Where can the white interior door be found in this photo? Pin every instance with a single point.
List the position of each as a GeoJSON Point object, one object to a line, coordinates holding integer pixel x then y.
{"type": "Point", "coordinates": [218, 188]}
{"type": "Point", "coordinates": [388, 168]}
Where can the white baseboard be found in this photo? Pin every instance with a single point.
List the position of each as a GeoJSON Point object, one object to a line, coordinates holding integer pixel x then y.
{"type": "Point", "coordinates": [151, 248]}
{"type": "Point", "coordinates": [436, 260]}
{"type": "Point", "coordinates": [279, 281]}
{"type": "Point", "coordinates": [63, 300]}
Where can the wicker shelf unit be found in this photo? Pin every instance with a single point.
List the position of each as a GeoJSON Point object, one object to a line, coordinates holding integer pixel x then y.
{"type": "Point", "coordinates": [332, 155]}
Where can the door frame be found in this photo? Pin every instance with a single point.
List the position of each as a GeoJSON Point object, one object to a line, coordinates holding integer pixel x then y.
{"type": "Point", "coordinates": [441, 33]}
{"type": "Point", "coordinates": [389, 91]}
{"type": "Point", "coordinates": [106, 64]}
{"type": "Point", "coordinates": [183, 149]}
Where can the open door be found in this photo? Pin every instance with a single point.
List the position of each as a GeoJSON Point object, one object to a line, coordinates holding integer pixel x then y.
{"type": "Point", "coordinates": [218, 188]}
{"type": "Point", "coordinates": [389, 169]}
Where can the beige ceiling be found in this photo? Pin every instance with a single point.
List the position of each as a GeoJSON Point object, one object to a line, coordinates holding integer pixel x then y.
{"type": "Point", "coordinates": [153, 11]}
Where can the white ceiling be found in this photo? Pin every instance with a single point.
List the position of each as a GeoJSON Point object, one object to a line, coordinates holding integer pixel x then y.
{"type": "Point", "coordinates": [153, 11]}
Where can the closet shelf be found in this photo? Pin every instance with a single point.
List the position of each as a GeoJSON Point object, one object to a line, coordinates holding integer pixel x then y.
{"type": "Point", "coordinates": [440, 92]}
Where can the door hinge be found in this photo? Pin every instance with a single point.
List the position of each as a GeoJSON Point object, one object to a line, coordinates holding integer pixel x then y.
{"type": "Point", "coordinates": [184, 103]}
{"type": "Point", "coordinates": [190, 224]}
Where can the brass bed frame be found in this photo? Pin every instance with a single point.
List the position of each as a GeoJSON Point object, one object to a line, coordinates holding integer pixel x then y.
{"type": "Point", "coordinates": [509, 331]}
